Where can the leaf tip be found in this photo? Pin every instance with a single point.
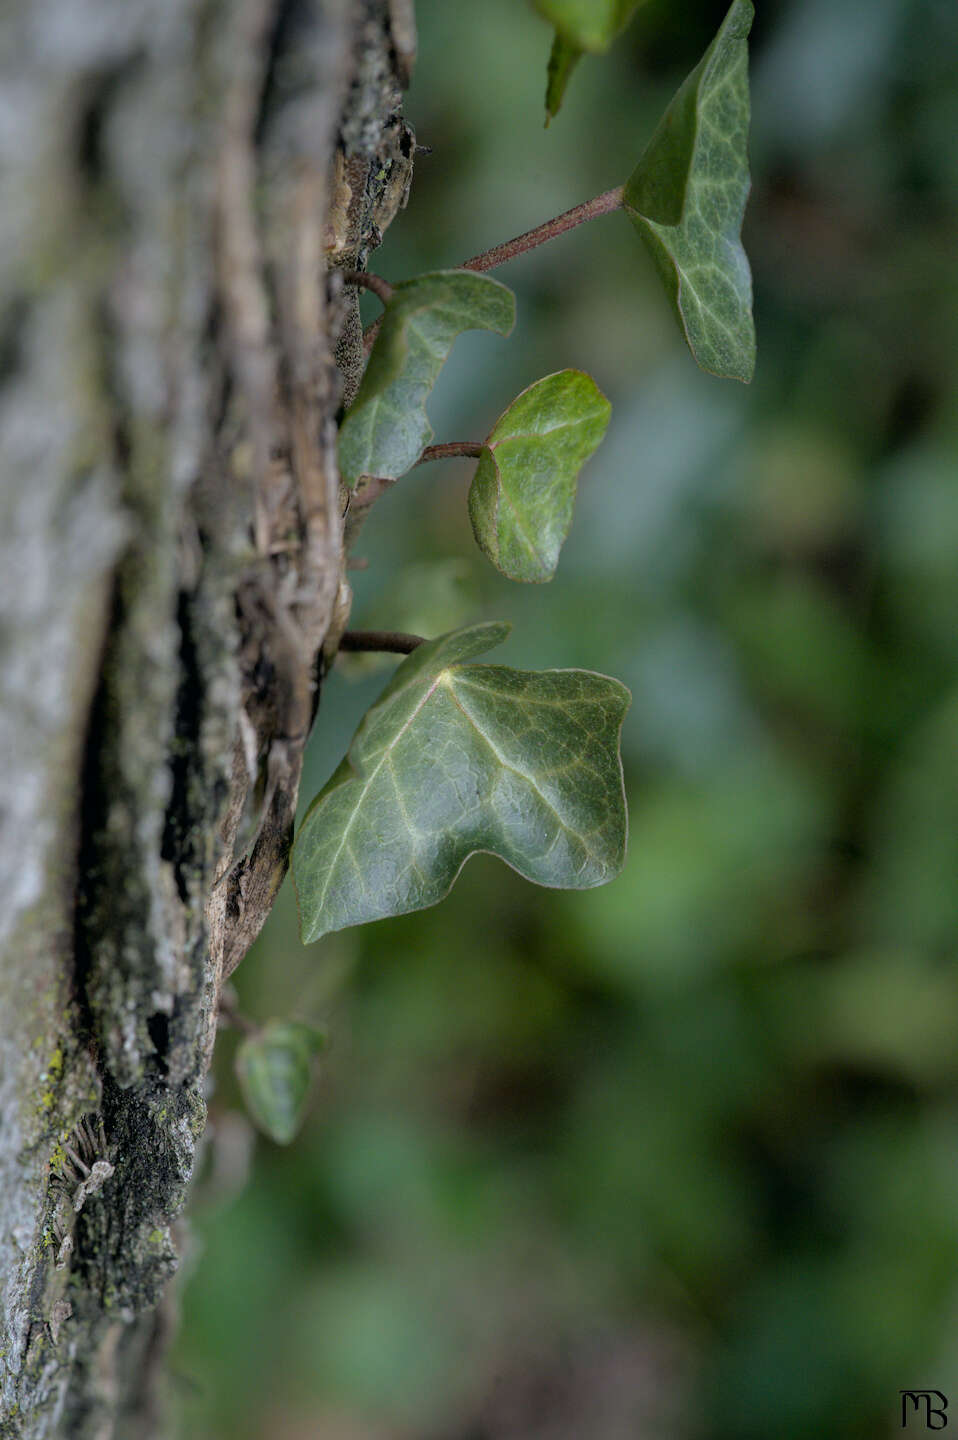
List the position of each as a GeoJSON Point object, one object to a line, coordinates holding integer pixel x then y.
{"type": "Point", "coordinates": [563, 58]}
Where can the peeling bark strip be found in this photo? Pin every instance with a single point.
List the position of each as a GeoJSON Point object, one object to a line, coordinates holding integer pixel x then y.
{"type": "Point", "coordinates": [176, 179]}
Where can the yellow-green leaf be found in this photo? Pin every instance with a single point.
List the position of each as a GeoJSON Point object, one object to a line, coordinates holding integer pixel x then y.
{"type": "Point", "coordinates": [523, 491]}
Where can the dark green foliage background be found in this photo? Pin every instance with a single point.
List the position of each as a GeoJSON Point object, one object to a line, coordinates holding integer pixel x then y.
{"type": "Point", "coordinates": [678, 1157]}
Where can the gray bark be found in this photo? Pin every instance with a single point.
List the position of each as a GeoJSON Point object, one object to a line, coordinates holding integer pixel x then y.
{"type": "Point", "coordinates": [176, 176]}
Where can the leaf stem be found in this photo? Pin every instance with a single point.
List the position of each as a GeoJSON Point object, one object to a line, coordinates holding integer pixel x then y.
{"type": "Point", "coordinates": [230, 1013]}
{"type": "Point", "coordinates": [472, 448]}
{"type": "Point", "coordinates": [366, 280]}
{"type": "Point", "coordinates": [602, 204]}
{"type": "Point", "coordinates": [395, 642]}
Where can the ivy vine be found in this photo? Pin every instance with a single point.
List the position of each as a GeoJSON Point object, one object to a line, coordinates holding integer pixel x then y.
{"type": "Point", "coordinates": [457, 757]}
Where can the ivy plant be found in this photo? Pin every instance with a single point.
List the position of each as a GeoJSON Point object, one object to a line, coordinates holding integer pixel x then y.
{"type": "Point", "coordinates": [456, 756]}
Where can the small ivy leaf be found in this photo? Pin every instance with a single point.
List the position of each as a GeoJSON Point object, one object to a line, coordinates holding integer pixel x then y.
{"type": "Point", "coordinates": [589, 24]}
{"type": "Point", "coordinates": [523, 491]}
{"type": "Point", "coordinates": [456, 758]}
{"type": "Point", "coordinates": [563, 58]}
{"type": "Point", "coordinates": [386, 429]}
{"type": "Point", "coordinates": [275, 1068]}
{"type": "Point", "coordinates": [686, 198]}
{"type": "Point", "coordinates": [580, 25]}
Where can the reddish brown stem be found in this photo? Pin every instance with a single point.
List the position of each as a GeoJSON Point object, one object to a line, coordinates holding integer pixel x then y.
{"type": "Point", "coordinates": [451, 448]}
{"type": "Point", "coordinates": [393, 641]}
{"type": "Point", "coordinates": [602, 204]}
{"type": "Point", "coordinates": [366, 280]}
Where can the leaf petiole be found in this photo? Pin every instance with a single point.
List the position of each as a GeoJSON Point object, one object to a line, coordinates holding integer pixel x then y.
{"type": "Point", "coordinates": [470, 448]}
{"type": "Point", "coordinates": [602, 204]}
{"type": "Point", "coordinates": [367, 280]}
{"type": "Point", "coordinates": [394, 642]}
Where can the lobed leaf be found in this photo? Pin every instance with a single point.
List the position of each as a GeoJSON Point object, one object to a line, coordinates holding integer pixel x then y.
{"type": "Point", "coordinates": [275, 1069]}
{"type": "Point", "coordinates": [523, 492]}
{"type": "Point", "coordinates": [456, 758]}
{"type": "Point", "coordinates": [686, 198]}
{"type": "Point", "coordinates": [386, 429]}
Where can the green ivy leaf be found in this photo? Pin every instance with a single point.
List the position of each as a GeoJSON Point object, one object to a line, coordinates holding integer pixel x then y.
{"type": "Point", "coordinates": [523, 491]}
{"type": "Point", "coordinates": [456, 758]}
{"type": "Point", "coordinates": [386, 429]}
{"type": "Point", "coordinates": [275, 1069]}
{"type": "Point", "coordinates": [686, 197]}
{"type": "Point", "coordinates": [563, 58]}
{"type": "Point", "coordinates": [589, 24]}
{"type": "Point", "coordinates": [580, 25]}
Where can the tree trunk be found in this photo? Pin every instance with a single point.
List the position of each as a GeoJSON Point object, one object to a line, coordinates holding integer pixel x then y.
{"type": "Point", "coordinates": [176, 175]}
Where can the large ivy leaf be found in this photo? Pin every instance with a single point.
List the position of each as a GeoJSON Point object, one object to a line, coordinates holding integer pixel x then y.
{"type": "Point", "coordinates": [275, 1068]}
{"type": "Point", "coordinates": [686, 197]}
{"type": "Point", "coordinates": [455, 758]}
{"type": "Point", "coordinates": [386, 429]}
{"type": "Point", "coordinates": [523, 491]}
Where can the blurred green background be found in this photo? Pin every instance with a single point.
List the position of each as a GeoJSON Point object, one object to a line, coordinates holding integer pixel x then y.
{"type": "Point", "coordinates": [678, 1157]}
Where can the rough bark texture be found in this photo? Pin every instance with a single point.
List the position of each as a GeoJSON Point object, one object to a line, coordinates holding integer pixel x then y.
{"type": "Point", "coordinates": [176, 176]}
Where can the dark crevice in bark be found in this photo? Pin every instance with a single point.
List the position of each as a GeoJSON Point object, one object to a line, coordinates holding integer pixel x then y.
{"type": "Point", "coordinates": [158, 1026]}
{"type": "Point", "coordinates": [281, 44]}
{"type": "Point", "coordinates": [179, 831]}
{"type": "Point", "coordinates": [123, 1254]}
{"type": "Point", "coordinates": [95, 104]}
{"type": "Point", "coordinates": [13, 326]}
{"type": "Point", "coordinates": [92, 818]}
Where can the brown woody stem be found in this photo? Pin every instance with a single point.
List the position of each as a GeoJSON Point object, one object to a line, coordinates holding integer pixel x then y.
{"type": "Point", "coordinates": [366, 280]}
{"type": "Point", "coordinates": [396, 642]}
{"type": "Point", "coordinates": [472, 448]}
{"type": "Point", "coordinates": [602, 204]}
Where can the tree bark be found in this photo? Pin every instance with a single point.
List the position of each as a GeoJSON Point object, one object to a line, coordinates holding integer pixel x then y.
{"type": "Point", "coordinates": [178, 174]}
